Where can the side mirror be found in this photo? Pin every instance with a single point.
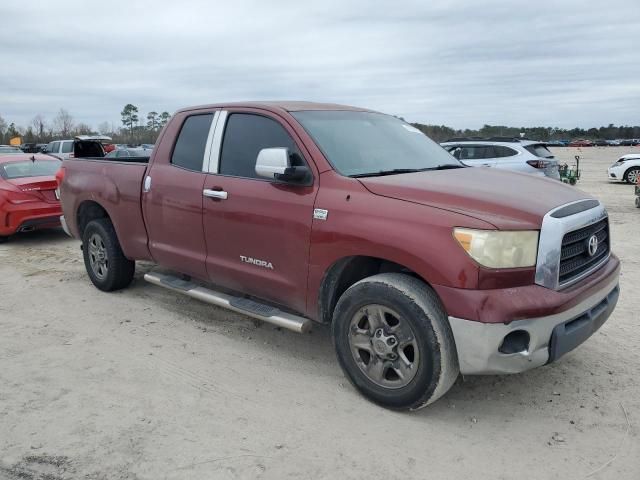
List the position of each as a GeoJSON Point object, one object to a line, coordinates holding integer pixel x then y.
{"type": "Point", "coordinates": [275, 163]}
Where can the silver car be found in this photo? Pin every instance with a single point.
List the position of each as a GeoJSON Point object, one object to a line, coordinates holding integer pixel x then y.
{"type": "Point", "coordinates": [526, 156]}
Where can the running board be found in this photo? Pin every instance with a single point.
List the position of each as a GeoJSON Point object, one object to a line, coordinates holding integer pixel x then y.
{"type": "Point", "coordinates": [248, 307]}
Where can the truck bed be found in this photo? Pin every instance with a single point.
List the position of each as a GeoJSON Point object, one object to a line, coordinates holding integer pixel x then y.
{"type": "Point", "coordinates": [116, 186]}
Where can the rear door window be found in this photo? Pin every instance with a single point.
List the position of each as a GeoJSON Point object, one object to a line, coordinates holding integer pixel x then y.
{"type": "Point", "coordinates": [192, 142]}
{"type": "Point", "coordinates": [54, 147]}
{"type": "Point", "coordinates": [474, 152]}
{"type": "Point", "coordinates": [503, 152]}
{"type": "Point", "coordinates": [67, 147]}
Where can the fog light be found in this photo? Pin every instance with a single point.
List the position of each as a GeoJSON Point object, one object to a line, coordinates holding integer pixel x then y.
{"type": "Point", "coordinates": [515, 342]}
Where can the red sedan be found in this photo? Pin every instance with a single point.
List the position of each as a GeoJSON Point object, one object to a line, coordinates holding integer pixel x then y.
{"type": "Point", "coordinates": [28, 199]}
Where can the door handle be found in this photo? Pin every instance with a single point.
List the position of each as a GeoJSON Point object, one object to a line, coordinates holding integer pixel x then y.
{"type": "Point", "coordinates": [219, 194]}
{"type": "Point", "coordinates": [147, 184]}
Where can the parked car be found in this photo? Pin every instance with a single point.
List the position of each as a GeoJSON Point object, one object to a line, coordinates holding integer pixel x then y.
{"type": "Point", "coordinates": [556, 143]}
{"type": "Point", "coordinates": [316, 212]}
{"type": "Point", "coordinates": [626, 168]}
{"type": "Point", "coordinates": [581, 143]}
{"type": "Point", "coordinates": [61, 149]}
{"type": "Point", "coordinates": [600, 143]}
{"type": "Point", "coordinates": [629, 142]}
{"type": "Point", "coordinates": [613, 143]}
{"type": "Point", "coordinates": [525, 156]}
{"type": "Point", "coordinates": [129, 152]}
{"type": "Point", "coordinates": [27, 193]}
{"type": "Point", "coordinates": [10, 150]}
{"type": "Point", "coordinates": [29, 148]}
{"type": "Point", "coordinates": [147, 146]}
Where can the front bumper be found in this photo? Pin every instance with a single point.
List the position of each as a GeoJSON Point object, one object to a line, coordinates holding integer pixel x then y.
{"type": "Point", "coordinates": [549, 337]}
{"type": "Point", "coordinates": [616, 174]}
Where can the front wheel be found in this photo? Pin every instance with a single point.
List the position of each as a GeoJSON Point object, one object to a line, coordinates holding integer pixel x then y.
{"type": "Point", "coordinates": [632, 175]}
{"type": "Point", "coordinates": [394, 342]}
{"type": "Point", "coordinates": [106, 265]}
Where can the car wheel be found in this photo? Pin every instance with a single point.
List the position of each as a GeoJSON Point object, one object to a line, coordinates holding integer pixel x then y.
{"type": "Point", "coordinates": [3, 239]}
{"type": "Point", "coordinates": [632, 175]}
{"type": "Point", "coordinates": [637, 202]}
{"type": "Point", "coordinates": [393, 341]}
{"type": "Point", "coordinates": [106, 265]}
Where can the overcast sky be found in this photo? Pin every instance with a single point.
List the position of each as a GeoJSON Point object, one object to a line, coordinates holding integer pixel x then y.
{"type": "Point", "coordinates": [463, 64]}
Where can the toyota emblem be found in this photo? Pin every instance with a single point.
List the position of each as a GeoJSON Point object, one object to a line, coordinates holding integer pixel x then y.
{"type": "Point", "coordinates": [592, 246]}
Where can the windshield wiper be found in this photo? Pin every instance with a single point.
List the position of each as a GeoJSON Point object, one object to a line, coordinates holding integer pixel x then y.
{"type": "Point", "coordinates": [382, 173]}
{"type": "Point", "coordinates": [447, 166]}
{"type": "Point", "coordinates": [395, 171]}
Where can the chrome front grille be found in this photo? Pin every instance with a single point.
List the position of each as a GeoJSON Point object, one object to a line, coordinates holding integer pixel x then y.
{"type": "Point", "coordinates": [563, 256]}
{"type": "Point", "coordinates": [575, 258]}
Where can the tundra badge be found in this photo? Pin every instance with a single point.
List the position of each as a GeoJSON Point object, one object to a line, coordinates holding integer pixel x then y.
{"type": "Point", "coordinates": [255, 261]}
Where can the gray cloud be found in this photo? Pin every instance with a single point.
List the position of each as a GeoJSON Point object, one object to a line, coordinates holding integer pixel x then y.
{"type": "Point", "coordinates": [462, 64]}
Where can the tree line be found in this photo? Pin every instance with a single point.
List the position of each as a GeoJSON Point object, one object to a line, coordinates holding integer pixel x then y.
{"type": "Point", "coordinates": [440, 133]}
{"type": "Point", "coordinates": [135, 128]}
{"type": "Point", "coordinates": [138, 128]}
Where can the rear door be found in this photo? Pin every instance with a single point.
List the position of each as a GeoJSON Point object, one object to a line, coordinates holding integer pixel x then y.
{"type": "Point", "coordinates": [510, 159]}
{"type": "Point", "coordinates": [257, 230]}
{"type": "Point", "coordinates": [172, 195]}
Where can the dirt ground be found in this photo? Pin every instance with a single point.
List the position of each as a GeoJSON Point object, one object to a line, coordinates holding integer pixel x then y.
{"type": "Point", "coordinates": [146, 384]}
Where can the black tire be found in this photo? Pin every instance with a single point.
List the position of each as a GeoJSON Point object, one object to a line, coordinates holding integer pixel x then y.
{"type": "Point", "coordinates": [637, 202]}
{"type": "Point", "coordinates": [3, 239]}
{"type": "Point", "coordinates": [118, 271]}
{"type": "Point", "coordinates": [629, 173]}
{"type": "Point", "coordinates": [436, 367]}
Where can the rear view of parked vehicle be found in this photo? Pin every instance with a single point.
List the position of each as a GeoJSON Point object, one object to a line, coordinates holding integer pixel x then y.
{"type": "Point", "coordinates": [28, 199]}
{"type": "Point", "coordinates": [525, 156]}
{"type": "Point", "coordinates": [61, 149]}
{"type": "Point", "coordinates": [626, 169]}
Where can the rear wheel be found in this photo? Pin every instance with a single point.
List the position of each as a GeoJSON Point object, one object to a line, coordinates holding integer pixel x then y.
{"type": "Point", "coordinates": [106, 265]}
{"type": "Point", "coordinates": [393, 341]}
{"type": "Point", "coordinates": [632, 175]}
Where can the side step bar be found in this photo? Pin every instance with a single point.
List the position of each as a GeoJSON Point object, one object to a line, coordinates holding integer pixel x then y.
{"type": "Point", "coordinates": [245, 306]}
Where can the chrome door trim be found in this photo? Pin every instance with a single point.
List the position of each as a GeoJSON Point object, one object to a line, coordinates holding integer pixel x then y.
{"type": "Point", "coordinates": [207, 151]}
{"type": "Point", "coordinates": [216, 143]}
{"type": "Point", "coordinates": [552, 232]}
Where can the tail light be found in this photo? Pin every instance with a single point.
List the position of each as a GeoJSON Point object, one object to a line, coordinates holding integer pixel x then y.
{"type": "Point", "coordinates": [60, 176]}
{"type": "Point", "coordinates": [538, 163]}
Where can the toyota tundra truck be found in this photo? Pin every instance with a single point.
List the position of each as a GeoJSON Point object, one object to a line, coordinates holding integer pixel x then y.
{"type": "Point", "coordinates": [298, 212]}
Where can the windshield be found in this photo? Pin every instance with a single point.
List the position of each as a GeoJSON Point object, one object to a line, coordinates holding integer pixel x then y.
{"type": "Point", "coordinates": [360, 143]}
{"type": "Point", "coordinates": [5, 150]}
{"type": "Point", "coordinates": [28, 168]}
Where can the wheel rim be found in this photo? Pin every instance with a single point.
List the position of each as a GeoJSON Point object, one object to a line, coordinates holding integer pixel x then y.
{"type": "Point", "coordinates": [384, 346]}
{"type": "Point", "coordinates": [98, 258]}
{"type": "Point", "coordinates": [633, 176]}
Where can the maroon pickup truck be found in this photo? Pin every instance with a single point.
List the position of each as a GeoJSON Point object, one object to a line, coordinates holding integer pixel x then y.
{"type": "Point", "coordinates": [298, 212]}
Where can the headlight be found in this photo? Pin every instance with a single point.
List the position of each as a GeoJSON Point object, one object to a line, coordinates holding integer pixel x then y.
{"type": "Point", "coordinates": [498, 249]}
{"type": "Point", "coordinates": [618, 163]}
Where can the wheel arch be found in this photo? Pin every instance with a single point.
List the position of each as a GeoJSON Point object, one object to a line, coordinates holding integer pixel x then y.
{"type": "Point", "coordinates": [626, 172]}
{"type": "Point", "coordinates": [347, 271]}
{"type": "Point", "coordinates": [87, 211]}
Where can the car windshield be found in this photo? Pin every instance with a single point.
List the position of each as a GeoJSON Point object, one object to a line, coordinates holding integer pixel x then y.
{"type": "Point", "coordinates": [28, 168]}
{"type": "Point", "coordinates": [9, 150]}
{"type": "Point", "coordinates": [367, 143]}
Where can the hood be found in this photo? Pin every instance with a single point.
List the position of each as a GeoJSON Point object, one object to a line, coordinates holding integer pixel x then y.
{"type": "Point", "coordinates": [508, 200]}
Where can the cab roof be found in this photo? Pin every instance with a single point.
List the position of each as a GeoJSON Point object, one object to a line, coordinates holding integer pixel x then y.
{"type": "Point", "coordinates": [284, 105]}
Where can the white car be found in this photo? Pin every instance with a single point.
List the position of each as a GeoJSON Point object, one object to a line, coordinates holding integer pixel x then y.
{"type": "Point", "coordinates": [61, 149]}
{"type": "Point", "coordinates": [520, 155]}
{"type": "Point", "coordinates": [626, 169]}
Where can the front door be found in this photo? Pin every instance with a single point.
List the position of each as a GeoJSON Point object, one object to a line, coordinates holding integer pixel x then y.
{"type": "Point", "coordinates": [172, 197]}
{"type": "Point", "coordinates": [258, 236]}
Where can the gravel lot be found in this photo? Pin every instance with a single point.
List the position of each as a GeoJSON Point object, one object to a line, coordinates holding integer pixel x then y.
{"type": "Point", "coordinates": [146, 384]}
